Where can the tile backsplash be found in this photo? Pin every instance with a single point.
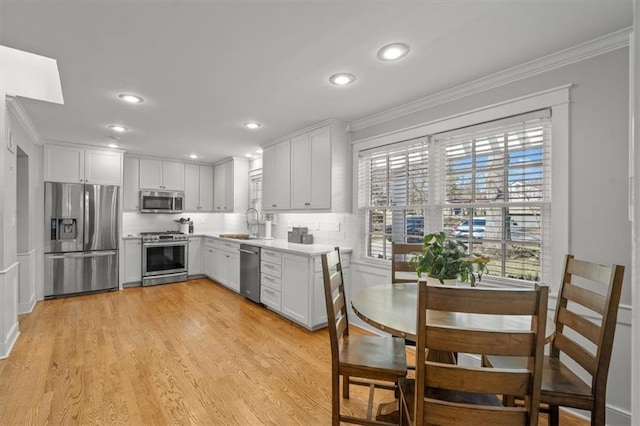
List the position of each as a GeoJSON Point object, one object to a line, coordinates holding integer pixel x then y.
{"type": "Point", "coordinates": [327, 228]}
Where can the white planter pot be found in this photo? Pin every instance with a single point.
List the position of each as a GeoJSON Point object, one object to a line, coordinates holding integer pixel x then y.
{"type": "Point", "coordinates": [434, 281]}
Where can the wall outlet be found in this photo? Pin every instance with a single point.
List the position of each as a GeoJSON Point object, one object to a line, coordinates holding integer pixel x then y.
{"type": "Point", "coordinates": [337, 228]}
{"type": "Point", "coordinates": [316, 225]}
{"type": "Point", "coordinates": [289, 224]}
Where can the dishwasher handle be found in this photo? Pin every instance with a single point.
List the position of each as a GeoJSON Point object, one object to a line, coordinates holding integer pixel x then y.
{"type": "Point", "coordinates": [247, 251]}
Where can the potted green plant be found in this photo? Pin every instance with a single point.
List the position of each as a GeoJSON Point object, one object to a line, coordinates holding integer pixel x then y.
{"type": "Point", "coordinates": [445, 259]}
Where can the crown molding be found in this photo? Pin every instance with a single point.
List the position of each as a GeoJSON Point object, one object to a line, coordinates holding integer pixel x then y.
{"type": "Point", "coordinates": [580, 52]}
{"type": "Point", "coordinates": [330, 121]}
{"type": "Point", "coordinates": [14, 105]}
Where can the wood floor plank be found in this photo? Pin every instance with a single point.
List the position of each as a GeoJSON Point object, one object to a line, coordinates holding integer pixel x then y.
{"type": "Point", "coordinates": [187, 353]}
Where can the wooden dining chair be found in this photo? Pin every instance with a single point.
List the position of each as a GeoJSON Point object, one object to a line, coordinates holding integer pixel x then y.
{"type": "Point", "coordinates": [587, 304]}
{"type": "Point", "coordinates": [401, 255]}
{"type": "Point", "coordinates": [366, 358]}
{"type": "Point", "coordinates": [451, 394]}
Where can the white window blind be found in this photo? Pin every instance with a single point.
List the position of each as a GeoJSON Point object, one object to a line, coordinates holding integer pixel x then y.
{"type": "Point", "coordinates": [255, 189]}
{"type": "Point", "coordinates": [487, 186]}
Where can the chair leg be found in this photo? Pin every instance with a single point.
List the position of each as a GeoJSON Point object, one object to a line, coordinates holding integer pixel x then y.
{"type": "Point", "coordinates": [335, 400]}
{"type": "Point", "coordinates": [345, 387]}
{"type": "Point", "coordinates": [554, 415]}
{"type": "Point", "coordinates": [598, 415]}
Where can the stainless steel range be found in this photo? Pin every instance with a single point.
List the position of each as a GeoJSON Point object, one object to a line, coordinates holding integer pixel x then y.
{"type": "Point", "coordinates": [164, 257]}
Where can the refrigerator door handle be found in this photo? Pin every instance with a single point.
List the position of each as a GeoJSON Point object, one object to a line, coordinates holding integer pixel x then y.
{"type": "Point", "coordinates": [98, 254]}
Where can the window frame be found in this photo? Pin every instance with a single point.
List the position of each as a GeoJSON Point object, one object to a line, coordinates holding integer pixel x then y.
{"type": "Point", "coordinates": [557, 100]}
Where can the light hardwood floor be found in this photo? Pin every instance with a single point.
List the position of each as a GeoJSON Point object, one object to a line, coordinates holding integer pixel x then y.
{"type": "Point", "coordinates": [188, 353]}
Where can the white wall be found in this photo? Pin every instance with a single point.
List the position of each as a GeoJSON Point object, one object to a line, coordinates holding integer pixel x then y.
{"type": "Point", "coordinates": [598, 181]}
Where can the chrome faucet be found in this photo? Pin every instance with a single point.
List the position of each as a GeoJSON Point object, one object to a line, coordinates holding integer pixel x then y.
{"type": "Point", "coordinates": [252, 221]}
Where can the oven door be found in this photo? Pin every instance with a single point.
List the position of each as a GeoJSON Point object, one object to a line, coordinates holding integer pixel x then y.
{"type": "Point", "coordinates": [164, 258]}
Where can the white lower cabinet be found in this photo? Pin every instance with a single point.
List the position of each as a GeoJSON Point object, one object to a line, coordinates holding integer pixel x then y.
{"type": "Point", "coordinates": [228, 273]}
{"type": "Point", "coordinates": [132, 261]}
{"type": "Point", "coordinates": [295, 288]}
{"type": "Point", "coordinates": [209, 258]}
{"type": "Point", "coordinates": [194, 266]}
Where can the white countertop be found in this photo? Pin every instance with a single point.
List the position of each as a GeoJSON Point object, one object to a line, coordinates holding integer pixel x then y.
{"type": "Point", "coordinates": [281, 245]}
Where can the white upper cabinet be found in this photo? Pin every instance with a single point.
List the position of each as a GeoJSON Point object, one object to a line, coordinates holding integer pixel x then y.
{"type": "Point", "coordinates": [131, 184]}
{"type": "Point", "coordinates": [161, 175]}
{"type": "Point", "coordinates": [276, 176]}
{"type": "Point", "coordinates": [311, 170]}
{"type": "Point", "coordinates": [80, 165]}
{"type": "Point", "coordinates": [231, 186]}
{"type": "Point", "coordinates": [198, 191]}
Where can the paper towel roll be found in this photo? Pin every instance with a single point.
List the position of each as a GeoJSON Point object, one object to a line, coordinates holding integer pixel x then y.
{"type": "Point", "coordinates": [267, 229]}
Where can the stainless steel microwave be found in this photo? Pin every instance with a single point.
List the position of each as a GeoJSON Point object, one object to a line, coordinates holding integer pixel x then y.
{"type": "Point", "coordinates": [161, 202]}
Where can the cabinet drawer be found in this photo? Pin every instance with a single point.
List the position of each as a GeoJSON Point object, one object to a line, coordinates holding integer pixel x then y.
{"type": "Point", "coordinates": [270, 281]}
{"type": "Point", "coordinates": [210, 243]}
{"type": "Point", "coordinates": [271, 256]}
{"type": "Point", "coordinates": [271, 298]}
{"type": "Point", "coordinates": [273, 269]}
{"type": "Point", "coordinates": [231, 247]}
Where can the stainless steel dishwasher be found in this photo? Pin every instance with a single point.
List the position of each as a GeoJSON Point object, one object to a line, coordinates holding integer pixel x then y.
{"type": "Point", "coordinates": [250, 272]}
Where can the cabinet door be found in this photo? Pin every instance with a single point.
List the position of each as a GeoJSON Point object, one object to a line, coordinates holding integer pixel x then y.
{"type": "Point", "coordinates": [63, 164]}
{"type": "Point", "coordinates": [320, 168]}
{"type": "Point", "coordinates": [172, 176]}
{"type": "Point", "coordinates": [131, 184]}
{"type": "Point", "coordinates": [206, 188]}
{"type": "Point", "coordinates": [132, 261]}
{"type": "Point", "coordinates": [276, 176]}
{"type": "Point", "coordinates": [195, 256]}
{"type": "Point", "coordinates": [301, 166]}
{"type": "Point", "coordinates": [209, 261]}
{"type": "Point", "coordinates": [150, 174]}
{"type": "Point", "coordinates": [191, 187]}
{"type": "Point", "coordinates": [220, 187]}
{"type": "Point", "coordinates": [295, 288]}
{"type": "Point", "coordinates": [102, 167]}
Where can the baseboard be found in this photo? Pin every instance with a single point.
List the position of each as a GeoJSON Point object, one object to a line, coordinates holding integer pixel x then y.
{"type": "Point", "coordinates": [27, 307]}
{"type": "Point", "coordinates": [12, 338]}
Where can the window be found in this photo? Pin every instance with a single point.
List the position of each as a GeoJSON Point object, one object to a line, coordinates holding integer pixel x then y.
{"type": "Point", "coordinates": [255, 189]}
{"type": "Point", "coordinates": [488, 186]}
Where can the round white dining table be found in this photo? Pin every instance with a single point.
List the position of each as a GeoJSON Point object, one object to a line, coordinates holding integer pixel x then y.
{"type": "Point", "coordinates": [392, 308]}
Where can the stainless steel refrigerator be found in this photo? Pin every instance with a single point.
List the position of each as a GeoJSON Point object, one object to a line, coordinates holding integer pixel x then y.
{"type": "Point", "coordinates": [81, 238]}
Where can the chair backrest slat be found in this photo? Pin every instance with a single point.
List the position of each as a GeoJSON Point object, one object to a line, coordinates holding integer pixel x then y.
{"type": "Point", "coordinates": [434, 304]}
{"type": "Point", "coordinates": [580, 324]}
{"type": "Point", "coordinates": [401, 255]}
{"type": "Point", "coordinates": [577, 352]}
{"type": "Point", "coordinates": [484, 301]}
{"type": "Point", "coordinates": [584, 297]}
{"type": "Point", "coordinates": [487, 342]}
{"type": "Point", "coordinates": [478, 380]}
{"type": "Point", "coordinates": [441, 413]}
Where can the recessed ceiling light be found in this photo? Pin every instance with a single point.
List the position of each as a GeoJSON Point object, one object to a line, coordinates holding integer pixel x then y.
{"type": "Point", "coordinates": [259, 150]}
{"type": "Point", "coordinates": [113, 145]}
{"type": "Point", "coordinates": [117, 128]}
{"type": "Point", "coordinates": [194, 156]}
{"type": "Point", "coordinates": [392, 52]}
{"type": "Point", "coordinates": [132, 99]}
{"type": "Point", "coordinates": [342, 79]}
{"type": "Point", "coordinates": [252, 125]}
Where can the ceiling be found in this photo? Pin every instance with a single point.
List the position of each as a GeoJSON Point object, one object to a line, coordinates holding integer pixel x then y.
{"type": "Point", "coordinates": [205, 67]}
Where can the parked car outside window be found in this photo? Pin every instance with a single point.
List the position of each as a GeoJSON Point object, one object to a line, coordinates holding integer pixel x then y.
{"type": "Point", "coordinates": [479, 224]}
